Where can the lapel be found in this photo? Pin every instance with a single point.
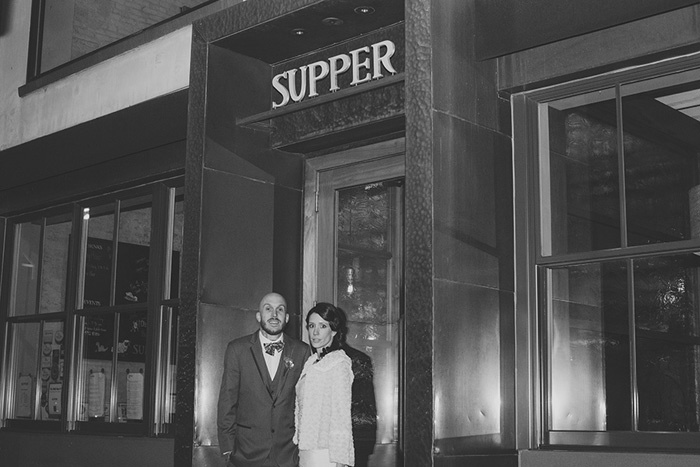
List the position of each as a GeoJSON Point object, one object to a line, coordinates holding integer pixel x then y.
{"type": "Point", "coordinates": [259, 359]}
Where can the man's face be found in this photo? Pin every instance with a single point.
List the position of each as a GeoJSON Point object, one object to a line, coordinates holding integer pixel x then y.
{"type": "Point", "coordinates": [272, 315]}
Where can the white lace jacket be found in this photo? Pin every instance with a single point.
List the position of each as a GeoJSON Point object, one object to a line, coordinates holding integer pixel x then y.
{"type": "Point", "coordinates": [322, 417]}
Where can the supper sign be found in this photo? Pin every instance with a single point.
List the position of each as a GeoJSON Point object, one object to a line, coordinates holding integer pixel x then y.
{"type": "Point", "coordinates": [366, 63]}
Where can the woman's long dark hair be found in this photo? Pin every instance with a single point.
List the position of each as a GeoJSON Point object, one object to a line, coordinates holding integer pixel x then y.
{"type": "Point", "coordinates": [336, 320]}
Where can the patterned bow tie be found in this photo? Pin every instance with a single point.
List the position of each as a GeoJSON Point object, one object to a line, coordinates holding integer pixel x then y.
{"type": "Point", "coordinates": [272, 347]}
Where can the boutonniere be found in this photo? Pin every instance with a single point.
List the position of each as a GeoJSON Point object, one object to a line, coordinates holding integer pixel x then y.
{"type": "Point", "coordinates": [288, 363]}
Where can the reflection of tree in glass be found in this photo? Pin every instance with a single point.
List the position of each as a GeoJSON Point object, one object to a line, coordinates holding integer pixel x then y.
{"type": "Point", "coordinates": [363, 217]}
{"type": "Point", "coordinates": [363, 225]}
{"type": "Point", "coordinates": [666, 322]}
{"type": "Point", "coordinates": [662, 301]}
{"type": "Point", "coordinates": [366, 301]}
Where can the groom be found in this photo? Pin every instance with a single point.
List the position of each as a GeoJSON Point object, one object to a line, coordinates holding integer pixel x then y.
{"type": "Point", "coordinates": [256, 399]}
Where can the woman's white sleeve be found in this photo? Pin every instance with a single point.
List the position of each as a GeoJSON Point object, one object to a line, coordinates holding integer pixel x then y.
{"type": "Point", "coordinates": [340, 436]}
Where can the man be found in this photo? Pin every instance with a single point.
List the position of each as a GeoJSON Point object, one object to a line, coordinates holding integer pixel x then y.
{"type": "Point", "coordinates": [256, 399]}
{"type": "Point", "coordinates": [363, 407]}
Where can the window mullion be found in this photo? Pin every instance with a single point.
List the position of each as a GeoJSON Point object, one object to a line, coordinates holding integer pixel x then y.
{"type": "Point", "coordinates": [634, 390]}
{"type": "Point", "coordinates": [39, 265]}
{"type": "Point", "coordinates": [161, 244]}
{"type": "Point", "coordinates": [621, 167]}
{"type": "Point", "coordinates": [113, 415]}
{"type": "Point", "coordinates": [73, 377]}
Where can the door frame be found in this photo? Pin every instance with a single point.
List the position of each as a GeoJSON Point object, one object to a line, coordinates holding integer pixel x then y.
{"type": "Point", "coordinates": [312, 170]}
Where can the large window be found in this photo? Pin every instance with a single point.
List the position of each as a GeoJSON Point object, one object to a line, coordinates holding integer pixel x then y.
{"type": "Point", "coordinates": [615, 183]}
{"type": "Point", "coordinates": [65, 30]}
{"type": "Point", "coordinates": [90, 314]}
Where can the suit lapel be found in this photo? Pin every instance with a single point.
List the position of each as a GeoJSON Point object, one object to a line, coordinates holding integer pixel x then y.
{"type": "Point", "coordinates": [259, 359]}
{"type": "Point", "coordinates": [282, 371]}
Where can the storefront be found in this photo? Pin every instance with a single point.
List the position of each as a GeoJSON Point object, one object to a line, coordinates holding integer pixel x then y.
{"type": "Point", "coordinates": [503, 202]}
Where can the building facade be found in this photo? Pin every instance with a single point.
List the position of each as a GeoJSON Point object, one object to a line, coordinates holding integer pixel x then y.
{"type": "Point", "coordinates": [500, 194]}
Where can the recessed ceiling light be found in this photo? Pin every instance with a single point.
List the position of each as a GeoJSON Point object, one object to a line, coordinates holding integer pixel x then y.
{"type": "Point", "coordinates": [332, 21]}
{"type": "Point", "coordinates": [364, 10]}
{"type": "Point", "coordinates": [297, 32]}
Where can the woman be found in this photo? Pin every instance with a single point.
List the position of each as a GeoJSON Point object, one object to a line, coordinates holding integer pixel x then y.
{"type": "Point", "coordinates": [322, 417]}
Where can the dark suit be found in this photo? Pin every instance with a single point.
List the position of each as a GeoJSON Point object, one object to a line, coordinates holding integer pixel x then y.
{"type": "Point", "coordinates": [364, 406]}
{"type": "Point", "coordinates": [256, 414]}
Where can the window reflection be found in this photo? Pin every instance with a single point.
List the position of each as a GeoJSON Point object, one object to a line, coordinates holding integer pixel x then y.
{"type": "Point", "coordinates": [582, 190]}
{"type": "Point", "coordinates": [667, 314]}
{"type": "Point", "coordinates": [589, 342]}
{"type": "Point", "coordinates": [73, 29]}
{"type": "Point", "coordinates": [25, 369]}
{"type": "Point", "coordinates": [368, 255]}
{"type": "Point", "coordinates": [98, 256]}
{"type": "Point", "coordinates": [54, 265]}
{"type": "Point", "coordinates": [26, 268]}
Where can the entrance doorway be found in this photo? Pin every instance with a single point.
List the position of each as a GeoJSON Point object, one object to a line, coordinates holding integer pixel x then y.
{"type": "Point", "coordinates": [353, 257]}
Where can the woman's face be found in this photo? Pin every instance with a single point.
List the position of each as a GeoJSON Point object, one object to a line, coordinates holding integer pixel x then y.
{"type": "Point", "coordinates": [320, 332]}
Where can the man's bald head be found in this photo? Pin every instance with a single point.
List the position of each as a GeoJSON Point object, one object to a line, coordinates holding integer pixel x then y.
{"type": "Point", "coordinates": [272, 315]}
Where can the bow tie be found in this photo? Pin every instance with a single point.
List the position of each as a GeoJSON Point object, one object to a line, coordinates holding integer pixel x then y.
{"type": "Point", "coordinates": [272, 347]}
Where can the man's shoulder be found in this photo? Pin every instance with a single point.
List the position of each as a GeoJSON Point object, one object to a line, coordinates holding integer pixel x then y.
{"type": "Point", "coordinates": [292, 340]}
{"type": "Point", "coordinates": [243, 340]}
{"type": "Point", "coordinates": [294, 343]}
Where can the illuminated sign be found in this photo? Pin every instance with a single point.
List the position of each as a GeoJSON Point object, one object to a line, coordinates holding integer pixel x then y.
{"type": "Point", "coordinates": [365, 64]}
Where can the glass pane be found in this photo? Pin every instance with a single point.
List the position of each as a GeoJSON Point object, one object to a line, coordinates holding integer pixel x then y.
{"type": "Point", "coordinates": [170, 325]}
{"type": "Point", "coordinates": [580, 185]}
{"type": "Point", "coordinates": [363, 217]}
{"type": "Point", "coordinates": [134, 247]}
{"type": "Point", "coordinates": [366, 268]}
{"type": "Point", "coordinates": [98, 258]}
{"type": "Point", "coordinates": [589, 364]}
{"type": "Point", "coordinates": [131, 365]}
{"type": "Point", "coordinates": [668, 342]}
{"type": "Point", "coordinates": [661, 160]}
{"type": "Point", "coordinates": [73, 29]}
{"type": "Point", "coordinates": [25, 272]}
{"type": "Point", "coordinates": [96, 368]}
{"type": "Point", "coordinates": [22, 397]}
{"type": "Point", "coordinates": [53, 355]}
{"type": "Point", "coordinates": [54, 265]}
{"type": "Point", "coordinates": [178, 224]}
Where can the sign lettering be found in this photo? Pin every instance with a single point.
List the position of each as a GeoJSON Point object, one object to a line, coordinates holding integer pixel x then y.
{"type": "Point", "coordinates": [365, 64]}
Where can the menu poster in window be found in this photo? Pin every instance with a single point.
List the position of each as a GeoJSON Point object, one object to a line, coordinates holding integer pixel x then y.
{"type": "Point", "coordinates": [99, 337]}
{"type": "Point", "coordinates": [133, 332]}
{"type": "Point", "coordinates": [24, 396]}
{"type": "Point", "coordinates": [131, 345]}
{"type": "Point", "coordinates": [132, 273]}
{"type": "Point", "coordinates": [98, 272]}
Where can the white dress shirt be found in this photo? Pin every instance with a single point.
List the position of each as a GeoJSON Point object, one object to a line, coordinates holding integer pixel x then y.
{"type": "Point", "coordinates": [271, 361]}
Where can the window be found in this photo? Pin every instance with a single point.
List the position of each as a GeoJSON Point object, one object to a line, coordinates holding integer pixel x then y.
{"type": "Point", "coordinates": [67, 30]}
{"type": "Point", "coordinates": [92, 314]}
{"type": "Point", "coordinates": [616, 190]}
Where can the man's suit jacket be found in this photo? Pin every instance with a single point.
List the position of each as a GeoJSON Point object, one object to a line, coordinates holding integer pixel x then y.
{"type": "Point", "coordinates": [255, 413]}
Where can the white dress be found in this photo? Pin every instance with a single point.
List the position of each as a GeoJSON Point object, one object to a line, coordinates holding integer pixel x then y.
{"type": "Point", "coordinates": [323, 426]}
{"type": "Point", "coordinates": [315, 458]}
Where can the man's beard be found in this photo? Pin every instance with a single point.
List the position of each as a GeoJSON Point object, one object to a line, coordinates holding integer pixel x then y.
{"type": "Point", "coordinates": [272, 332]}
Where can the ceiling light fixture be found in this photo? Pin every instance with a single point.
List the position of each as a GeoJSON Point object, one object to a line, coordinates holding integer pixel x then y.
{"type": "Point", "coordinates": [297, 32]}
{"type": "Point", "coordinates": [364, 10]}
{"type": "Point", "coordinates": [332, 21]}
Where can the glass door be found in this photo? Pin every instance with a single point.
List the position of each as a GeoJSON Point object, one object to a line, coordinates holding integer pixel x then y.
{"type": "Point", "coordinates": [358, 262]}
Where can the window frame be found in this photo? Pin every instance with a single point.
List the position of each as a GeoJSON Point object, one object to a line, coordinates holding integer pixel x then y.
{"type": "Point", "coordinates": [532, 316]}
{"type": "Point", "coordinates": [35, 75]}
{"type": "Point", "coordinates": [160, 307]}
